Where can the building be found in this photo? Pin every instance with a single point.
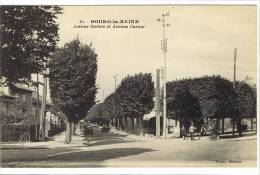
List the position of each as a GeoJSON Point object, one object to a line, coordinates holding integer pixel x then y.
{"type": "Point", "coordinates": [6, 101]}
{"type": "Point", "coordinates": [28, 102]}
{"type": "Point", "coordinates": [23, 94]}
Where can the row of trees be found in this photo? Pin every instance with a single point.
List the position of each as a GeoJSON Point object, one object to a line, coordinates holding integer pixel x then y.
{"type": "Point", "coordinates": [72, 76]}
{"type": "Point", "coordinates": [29, 37]}
{"type": "Point", "coordinates": [214, 97]}
{"type": "Point", "coordinates": [195, 100]}
{"type": "Point", "coordinates": [126, 107]}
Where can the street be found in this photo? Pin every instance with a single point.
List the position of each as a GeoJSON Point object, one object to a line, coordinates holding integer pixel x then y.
{"type": "Point", "coordinates": [114, 150]}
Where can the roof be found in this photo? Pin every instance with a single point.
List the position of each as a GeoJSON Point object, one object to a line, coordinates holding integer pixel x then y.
{"type": "Point", "coordinates": [22, 87]}
{"type": "Point", "coordinates": [34, 98]}
{"type": "Point", "coordinates": [5, 97]}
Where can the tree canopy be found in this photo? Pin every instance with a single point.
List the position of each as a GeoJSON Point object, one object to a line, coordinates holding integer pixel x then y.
{"type": "Point", "coordinates": [29, 35]}
{"type": "Point", "coordinates": [132, 98]}
{"type": "Point", "coordinates": [246, 100]}
{"type": "Point", "coordinates": [135, 95]}
{"type": "Point", "coordinates": [185, 106]}
{"type": "Point", "coordinates": [215, 96]}
{"type": "Point", "coordinates": [72, 77]}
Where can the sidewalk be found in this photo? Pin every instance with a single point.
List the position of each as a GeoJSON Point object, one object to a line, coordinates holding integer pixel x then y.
{"type": "Point", "coordinates": [57, 141]}
{"type": "Point", "coordinates": [148, 138]}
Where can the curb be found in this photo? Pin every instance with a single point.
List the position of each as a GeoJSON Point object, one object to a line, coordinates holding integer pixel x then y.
{"type": "Point", "coordinates": [21, 147]}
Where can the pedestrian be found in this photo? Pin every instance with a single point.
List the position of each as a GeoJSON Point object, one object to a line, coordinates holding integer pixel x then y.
{"type": "Point", "coordinates": [192, 130]}
{"type": "Point", "coordinates": [202, 131]}
{"type": "Point", "coordinates": [184, 132]}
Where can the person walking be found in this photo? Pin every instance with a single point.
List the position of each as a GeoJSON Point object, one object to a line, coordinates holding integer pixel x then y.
{"type": "Point", "coordinates": [202, 131]}
{"type": "Point", "coordinates": [192, 130]}
{"type": "Point", "coordinates": [184, 132]}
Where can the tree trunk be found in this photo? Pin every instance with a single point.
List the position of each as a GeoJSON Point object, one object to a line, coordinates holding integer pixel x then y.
{"type": "Point", "coordinates": [133, 125]}
{"type": "Point", "coordinates": [125, 124]}
{"type": "Point", "coordinates": [120, 124]}
{"type": "Point", "coordinates": [233, 127]}
{"type": "Point", "coordinates": [138, 126]}
{"type": "Point", "coordinates": [72, 128]}
{"type": "Point", "coordinates": [129, 124]}
{"type": "Point", "coordinates": [30, 131]}
{"type": "Point", "coordinates": [222, 125]}
{"type": "Point", "coordinates": [217, 124]}
{"type": "Point", "coordinates": [110, 123]}
{"type": "Point", "coordinates": [68, 132]}
{"type": "Point", "coordinates": [141, 131]}
{"type": "Point", "coordinates": [180, 124]}
{"type": "Point", "coordinates": [113, 123]}
{"type": "Point", "coordinates": [251, 126]}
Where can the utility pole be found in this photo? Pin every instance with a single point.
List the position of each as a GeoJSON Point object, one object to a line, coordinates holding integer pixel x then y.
{"type": "Point", "coordinates": [236, 115]}
{"type": "Point", "coordinates": [164, 50]}
{"type": "Point", "coordinates": [114, 108]}
{"type": "Point", "coordinates": [158, 104]}
{"type": "Point", "coordinates": [234, 86]}
{"type": "Point", "coordinates": [37, 110]}
{"type": "Point", "coordinates": [43, 105]}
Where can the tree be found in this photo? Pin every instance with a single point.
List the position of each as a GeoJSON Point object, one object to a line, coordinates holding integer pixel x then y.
{"type": "Point", "coordinates": [29, 35]}
{"type": "Point", "coordinates": [185, 107]}
{"type": "Point", "coordinates": [246, 102]}
{"type": "Point", "coordinates": [135, 96]}
{"type": "Point", "coordinates": [72, 77]}
{"type": "Point", "coordinates": [214, 94]}
{"type": "Point", "coordinates": [96, 114]}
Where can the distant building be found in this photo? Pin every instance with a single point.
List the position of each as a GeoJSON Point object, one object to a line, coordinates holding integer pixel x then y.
{"type": "Point", "coordinates": [6, 101]}
{"type": "Point", "coordinates": [24, 95]}
{"type": "Point", "coordinates": [20, 93]}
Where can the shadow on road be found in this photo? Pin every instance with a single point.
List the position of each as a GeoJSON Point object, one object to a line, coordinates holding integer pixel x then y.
{"type": "Point", "coordinates": [105, 136]}
{"type": "Point", "coordinates": [109, 142]}
{"type": "Point", "coordinates": [27, 154]}
{"type": "Point", "coordinates": [106, 139]}
{"type": "Point", "coordinates": [97, 155]}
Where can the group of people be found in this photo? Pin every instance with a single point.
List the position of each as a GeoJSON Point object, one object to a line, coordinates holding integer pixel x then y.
{"type": "Point", "coordinates": [203, 130]}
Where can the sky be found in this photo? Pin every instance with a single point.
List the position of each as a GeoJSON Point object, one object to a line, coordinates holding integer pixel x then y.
{"type": "Point", "coordinates": [201, 41]}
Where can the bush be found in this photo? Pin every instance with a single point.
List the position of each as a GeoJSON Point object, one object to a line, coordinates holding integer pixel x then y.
{"type": "Point", "coordinates": [14, 123]}
{"type": "Point", "coordinates": [16, 113]}
{"type": "Point", "coordinates": [14, 132]}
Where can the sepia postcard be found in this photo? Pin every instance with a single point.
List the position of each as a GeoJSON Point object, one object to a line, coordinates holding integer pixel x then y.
{"type": "Point", "coordinates": [129, 86]}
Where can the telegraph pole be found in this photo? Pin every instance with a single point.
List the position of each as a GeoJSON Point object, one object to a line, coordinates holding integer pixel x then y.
{"type": "Point", "coordinates": [43, 105]}
{"type": "Point", "coordinates": [114, 108]}
{"type": "Point", "coordinates": [158, 104]}
{"type": "Point", "coordinates": [37, 113]}
{"type": "Point", "coordinates": [236, 116]}
{"type": "Point", "coordinates": [234, 86]}
{"type": "Point", "coordinates": [164, 50]}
